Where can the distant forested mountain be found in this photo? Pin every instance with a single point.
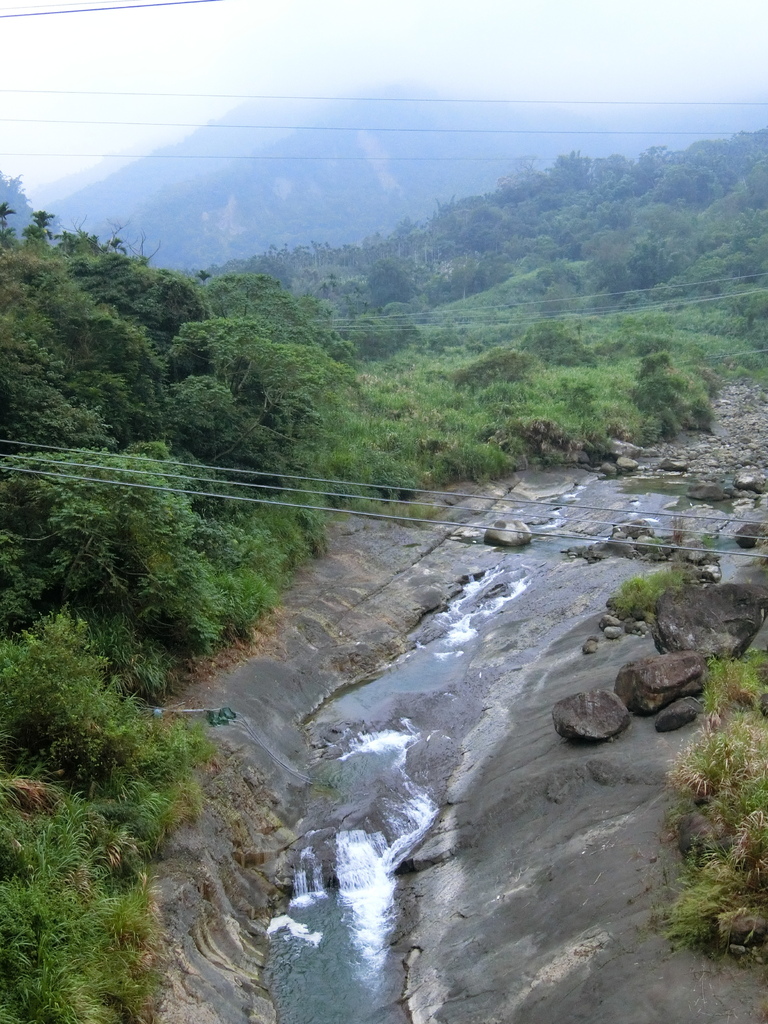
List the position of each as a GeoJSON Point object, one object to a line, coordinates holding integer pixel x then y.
{"type": "Point", "coordinates": [231, 190]}
{"type": "Point", "coordinates": [612, 228]}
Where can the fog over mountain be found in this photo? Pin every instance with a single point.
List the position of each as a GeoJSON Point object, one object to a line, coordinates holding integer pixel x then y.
{"type": "Point", "coordinates": [293, 173]}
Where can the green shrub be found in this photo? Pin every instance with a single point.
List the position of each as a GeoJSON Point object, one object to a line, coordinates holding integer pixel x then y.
{"type": "Point", "coordinates": [726, 770]}
{"type": "Point", "coordinates": [555, 342]}
{"type": "Point", "coordinates": [77, 945]}
{"type": "Point", "coordinates": [500, 364]}
{"type": "Point", "coordinates": [58, 710]}
{"type": "Point", "coordinates": [637, 597]}
{"type": "Point", "coordinates": [79, 938]}
{"type": "Point", "coordinates": [734, 683]}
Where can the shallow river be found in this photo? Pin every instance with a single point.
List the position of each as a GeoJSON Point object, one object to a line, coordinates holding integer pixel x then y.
{"type": "Point", "coordinates": [376, 788]}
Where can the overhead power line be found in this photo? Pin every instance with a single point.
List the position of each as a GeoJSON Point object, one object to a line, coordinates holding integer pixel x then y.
{"type": "Point", "coordinates": [598, 312]}
{"type": "Point", "coordinates": [509, 307]}
{"type": "Point", "coordinates": [196, 478]}
{"type": "Point", "coordinates": [226, 156]}
{"type": "Point", "coordinates": [277, 474]}
{"type": "Point", "coordinates": [395, 99]}
{"type": "Point", "coordinates": [367, 128]}
{"type": "Point", "coordinates": [53, 3]}
{"type": "Point", "coordinates": [120, 7]}
{"type": "Point", "coordinates": [343, 511]}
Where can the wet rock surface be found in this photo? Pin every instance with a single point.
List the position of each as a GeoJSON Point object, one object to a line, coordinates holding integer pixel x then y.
{"type": "Point", "coordinates": [541, 911]}
{"type": "Point", "coordinates": [532, 898]}
{"type": "Point", "coordinates": [676, 715]}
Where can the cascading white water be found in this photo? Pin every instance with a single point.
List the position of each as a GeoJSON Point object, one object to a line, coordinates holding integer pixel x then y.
{"type": "Point", "coordinates": [308, 880]}
{"type": "Point", "coordinates": [383, 742]}
{"type": "Point", "coordinates": [329, 958]}
{"type": "Point", "coordinates": [462, 625]}
{"type": "Point", "coordinates": [366, 867]}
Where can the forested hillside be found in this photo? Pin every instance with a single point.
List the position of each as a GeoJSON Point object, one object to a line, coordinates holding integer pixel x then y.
{"type": "Point", "coordinates": [115, 568]}
{"type": "Point", "coordinates": [170, 446]}
{"type": "Point", "coordinates": [609, 228]}
{"type": "Point", "coordinates": [336, 172]}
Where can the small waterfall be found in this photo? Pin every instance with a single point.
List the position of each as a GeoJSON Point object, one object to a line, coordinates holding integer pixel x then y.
{"type": "Point", "coordinates": [366, 871]}
{"type": "Point", "coordinates": [308, 880]}
{"type": "Point", "coordinates": [349, 926]}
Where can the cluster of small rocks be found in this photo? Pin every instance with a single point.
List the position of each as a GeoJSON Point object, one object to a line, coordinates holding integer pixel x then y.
{"type": "Point", "coordinates": [704, 566]}
{"type": "Point", "coordinates": [613, 628]}
{"type": "Point", "coordinates": [740, 441]}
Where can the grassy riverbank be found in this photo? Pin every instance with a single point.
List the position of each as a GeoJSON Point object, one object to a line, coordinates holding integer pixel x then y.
{"type": "Point", "coordinates": [723, 776]}
{"type": "Point", "coordinates": [89, 785]}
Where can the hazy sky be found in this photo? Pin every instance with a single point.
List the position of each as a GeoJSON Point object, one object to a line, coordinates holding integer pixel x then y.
{"type": "Point", "coordinates": [550, 49]}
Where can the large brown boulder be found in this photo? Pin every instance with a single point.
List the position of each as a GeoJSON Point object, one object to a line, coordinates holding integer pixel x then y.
{"type": "Point", "coordinates": [719, 622]}
{"type": "Point", "coordinates": [594, 715]}
{"type": "Point", "coordinates": [647, 685]}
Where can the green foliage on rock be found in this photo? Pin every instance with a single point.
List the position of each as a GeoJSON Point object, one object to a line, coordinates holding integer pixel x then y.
{"type": "Point", "coordinates": [669, 399]}
{"type": "Point", "coordinates": [555, 342]}
{"type": "Point", "coordinates": [638, 596]}
{"type": "Point", "coordinates": [496, 366]}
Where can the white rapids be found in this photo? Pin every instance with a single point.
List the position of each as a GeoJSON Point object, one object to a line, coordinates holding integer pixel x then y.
{"type": "Point", "coordinates": [366, 866]}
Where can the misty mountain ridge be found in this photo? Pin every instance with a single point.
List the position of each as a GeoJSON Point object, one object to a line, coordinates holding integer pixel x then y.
{"type": "Point", "coordinates": [231, 190]}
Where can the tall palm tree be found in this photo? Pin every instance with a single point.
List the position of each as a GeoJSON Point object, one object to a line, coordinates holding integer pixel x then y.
{"type": "Point", "coordinates": [5, 213]}
{"type": "Point", "coordinates": [42, 219]}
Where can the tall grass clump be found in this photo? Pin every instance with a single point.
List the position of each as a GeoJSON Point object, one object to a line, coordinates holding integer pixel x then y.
{"type": "Point", "coordinates": [735, 683]}
{"type": "Point", "coordinates": [79, 936]}
{"type": "Point", "coordinates": [725, 774]}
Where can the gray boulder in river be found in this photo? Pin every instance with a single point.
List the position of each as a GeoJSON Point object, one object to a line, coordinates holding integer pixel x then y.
{"type": "Point", "coordinates": [748, 535]}
{"type": "Point", "coordinates": [512, 534]}
{"type": "Point", "coordinates": [719, 621]}
{"type": "Point", "coordinates": [595, 715]}
{"type": "Point", "coordinates": [750, 481]}
{"type": "Point", "coordinates": [710, 490]}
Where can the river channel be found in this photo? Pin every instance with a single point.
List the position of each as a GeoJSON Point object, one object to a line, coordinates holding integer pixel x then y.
{"type": "Point", "coordinates": [388, 748]}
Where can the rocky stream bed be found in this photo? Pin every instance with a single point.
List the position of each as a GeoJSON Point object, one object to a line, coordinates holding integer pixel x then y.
{"type": "Point", "coordinates": [534, 894]}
